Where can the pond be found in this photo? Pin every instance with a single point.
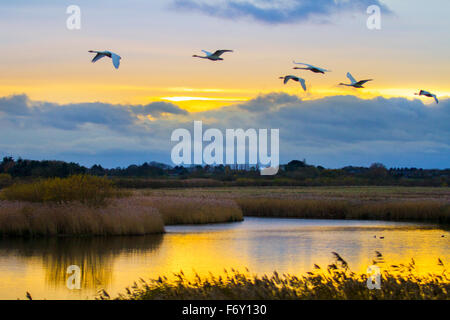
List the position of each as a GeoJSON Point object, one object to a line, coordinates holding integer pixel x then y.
{"type": "Point", "coordinates": [259, 244]}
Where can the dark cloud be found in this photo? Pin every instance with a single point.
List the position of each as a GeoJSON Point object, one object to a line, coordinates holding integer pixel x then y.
{"type": "Point", "coordinates": [16, 105]}
{"type": "Point", "coordinates": [333, 131]}
{"type": "Point", "coordinates": [156, 109]}
{"type": "Point", "coordinates": [341, 130]}
{"type": "Point", "coordinates": [277, 11]}
{"type": "Point", "coordinates": [271, 101]}
{"type": "Point", "coordinates": [73, 116]}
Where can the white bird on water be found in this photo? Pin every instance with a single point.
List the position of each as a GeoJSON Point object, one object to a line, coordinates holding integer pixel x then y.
{"type": "Point", "coordinates": [101, 54]}
{"type": "Point", "coordinates": [295, 78]}
{"type": "Point", "coordinates": [213, 56]}
{"type": "Point", "coordinates": [311, 68]}
{"type": "Point", "coordinates": [354, 83]}
{"type": "Point", "coordinates": [427, 94]}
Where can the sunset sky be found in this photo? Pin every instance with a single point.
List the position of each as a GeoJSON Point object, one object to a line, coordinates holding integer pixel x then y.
{"type": "Point", "coordinates": [56, 104]}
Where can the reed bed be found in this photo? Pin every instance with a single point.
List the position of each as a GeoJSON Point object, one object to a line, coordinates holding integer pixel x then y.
{"type": "Point", "coordinates": [202, 210]}
{"type": "Point", "coordinates": [120, 217]}
{"type": "Point", "coordinates": [89, 190]}
{"type": "Point", "coordinates": [5, 180]}
{"type": "Point", "coordinates": [336, 282]}
{"type": "Point", "coordinates": [425, 211]}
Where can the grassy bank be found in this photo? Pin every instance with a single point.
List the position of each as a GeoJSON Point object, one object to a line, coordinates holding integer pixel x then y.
{"type": "Point", "coordinates": [424, 211]}
{"type": "Point", "coordinates": [120, 217]}
{"type": "Point", "coordinates": [335, 282]}
{"type": "Point", "coordinates": [365, 203]}
{"type": "Point", "coordinates": [182, 210]}
{"type": "Point", "coordinates": [86, 205]}
{"type": "Point", "coordinates": [79, 205]}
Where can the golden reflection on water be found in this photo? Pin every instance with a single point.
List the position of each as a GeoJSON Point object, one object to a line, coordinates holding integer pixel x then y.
{"type": "Point", "coordinates": [262, 245]}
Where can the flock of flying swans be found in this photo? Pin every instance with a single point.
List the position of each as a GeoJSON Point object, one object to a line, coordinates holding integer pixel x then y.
{"type": "Point", "coordinates": [216, 56]}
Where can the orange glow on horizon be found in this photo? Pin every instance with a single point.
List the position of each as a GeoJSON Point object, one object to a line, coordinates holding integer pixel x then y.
{"type": "Point", "coordinates": [197, 99]}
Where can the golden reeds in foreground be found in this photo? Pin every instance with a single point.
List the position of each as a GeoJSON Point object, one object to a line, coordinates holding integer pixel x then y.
{"type": "Point", "coordinates": [120, 217]}
{"type": "Point", "coordinates": [336, 282]}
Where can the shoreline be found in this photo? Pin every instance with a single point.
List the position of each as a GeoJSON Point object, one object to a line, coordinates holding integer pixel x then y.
{"type": "Point", "coordinates": [171, 207]}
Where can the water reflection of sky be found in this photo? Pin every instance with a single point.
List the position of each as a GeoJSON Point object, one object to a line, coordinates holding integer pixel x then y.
{"type": "Point", "coordinates": [262, 245]}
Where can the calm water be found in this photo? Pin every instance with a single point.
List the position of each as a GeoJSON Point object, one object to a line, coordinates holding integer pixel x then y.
{"type": "Point", "coordinates": [262, 245]}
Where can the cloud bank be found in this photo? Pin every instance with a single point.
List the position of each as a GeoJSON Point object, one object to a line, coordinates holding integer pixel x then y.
{"type": "Point", "coordinates": [333, 131]}
{"type": "Point", "coordinates": [277, 11]}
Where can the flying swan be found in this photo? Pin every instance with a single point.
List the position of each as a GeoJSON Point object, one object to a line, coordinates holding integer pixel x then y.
{"type": "Point", "coordinates": [213, 56]}
{"type": "Point", "coordinates": [427, 94]}
{"type": "Point", "coordinates": [294, 78]}
{"type": "Point", "coordinates": [310, 68]}
{"type": "Point", "coordinates": [101, 54]}
{"type": "Point", "coordinates": [354, 83]}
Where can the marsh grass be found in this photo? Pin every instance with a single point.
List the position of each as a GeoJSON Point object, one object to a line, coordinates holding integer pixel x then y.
{"type": "Point", "coordinates": [336, 282]}
{"type": "Point", "coordinates": [362, 194]}
{"type": "Point", "coordinates": [425, 211]}
{"type": "Point", "coordinates": [89, 190]}
{"type": "Point", "coordinates": [182, 210]}
{"type": "Point", "coordinates": [5, 180]}
{"type": "Point", "coordinates": [120, 217]}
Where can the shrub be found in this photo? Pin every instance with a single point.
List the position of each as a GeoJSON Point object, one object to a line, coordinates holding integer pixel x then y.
{"type": "Point", "coordinates": [86, 189]}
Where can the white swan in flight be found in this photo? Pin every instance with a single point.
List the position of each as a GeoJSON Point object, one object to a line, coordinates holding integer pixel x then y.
{"type": "Point", "coordinates": [294, 78]}
{"type": "Point", "coordinates": [213, 56]}
{"type": "Point", "coordinates": [354, 83]}
{"type": "Point", "coordinates": [101, 54]}
{"type": "Point", "coordinates": [427, 94]}
{"type": "Point", "coordinates": [311, 68]}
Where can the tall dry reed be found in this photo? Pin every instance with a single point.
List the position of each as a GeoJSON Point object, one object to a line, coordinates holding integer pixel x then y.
{"type": "Point", "coordinates": [426, 211]}
{"type": "Point", "coordinates": [120, 217]}
{"type": "Point", "coordinates": [182, 210]}
{"type": "Point", "coordinates": [336, 282]}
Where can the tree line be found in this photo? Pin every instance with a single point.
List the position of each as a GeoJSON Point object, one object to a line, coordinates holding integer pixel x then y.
{"type": "Point", "coordinates": [154, 174]}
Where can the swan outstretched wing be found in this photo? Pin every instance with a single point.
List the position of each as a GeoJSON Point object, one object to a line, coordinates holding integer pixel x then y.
{"type": "Point", "coordinates": [303, 64]}
{"type": "Point", "coordinates": [311, 66]}
{"type": "Point", "coordinates": [435, 98]}
{"type": "Point", "coordinates": [116, 60]}
{"type": "Point", "coordinates": [289, 77]}
{"type": "Point", "coordinates": [303, 83]}
{"type": "Point", "coordinates": [352, 80]}
{"type": "Point", "coordinates": [360, 83]}
{"type": "Point", "coordinates": [207, 53]}
{"type": "Point", "coordinates": [218, 53]}
{"type": "Point", "coordinates": [322, 69]}
{"type": "Point", "coordinates": [98, 56]}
